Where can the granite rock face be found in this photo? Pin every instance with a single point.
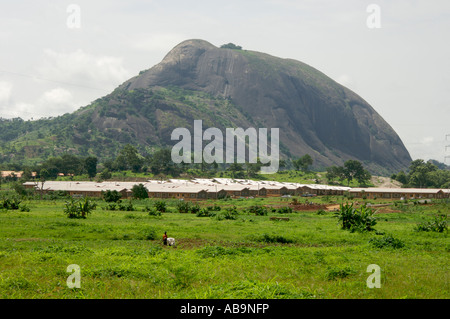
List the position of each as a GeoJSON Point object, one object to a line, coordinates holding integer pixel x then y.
{"type": "Point", "coordinates": [315, 114]}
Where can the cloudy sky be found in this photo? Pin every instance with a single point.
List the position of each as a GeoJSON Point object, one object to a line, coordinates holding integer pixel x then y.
{"type": "Point", "coordinates": [57, 56]}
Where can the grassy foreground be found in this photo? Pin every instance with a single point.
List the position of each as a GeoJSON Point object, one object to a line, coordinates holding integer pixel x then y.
{"type": "Point", "coordinates": [120, 253]}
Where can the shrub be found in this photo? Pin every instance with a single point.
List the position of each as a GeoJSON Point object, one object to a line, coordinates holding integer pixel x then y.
{"type": "Point", "coordinates": [152, 211]}
{"type": "Point", "coordinates": [268, 238]}
{"type": "Point", "coordinates": [439, 224]}
{"type": "Point", "coordinates": [284, 210]}
{"type": "Point", "coordinates": [20, 189]}
{"type": "Point", "coordinates": [194, 209]}
{"type": "Point", "coordinates": [336, 272]}
{"type": "Point", "coordinates": [11, 204]}
{"type": "Point", "coordinates": [386, 241]}
{"type": "Point", "coordinates": [111, 206]}
{"type": "Point", "coordinates": [126, 207]}
{"type": "Point", "coordinates": [204, 212]}
{"type": "Point", "coordinates": [24, 208]}
{"type": "Point", "coordinates": [257, 210]}
{"type": "Point", "coordinates": [183, 207]}
{"type": "Point", "coordinates": [356, 219]}
{"type": "Point", "coordinates": [231, 46]}
{"type": "Point", "coordinates": [111, 196]}
{"type": "Point", "coordinates": [160, 206]}
{"type": "Point", "coordinates": [229, 213]}
{"type": "Point", "coordinates": [79, 209]}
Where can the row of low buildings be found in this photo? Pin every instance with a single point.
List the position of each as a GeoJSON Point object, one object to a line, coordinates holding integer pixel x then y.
{"type": "Point", "coordinates": [200, 189]}
{"type": "Point", "coordinates": [400, 193]}
{"type": "Point", "coordinates": [195, 189]}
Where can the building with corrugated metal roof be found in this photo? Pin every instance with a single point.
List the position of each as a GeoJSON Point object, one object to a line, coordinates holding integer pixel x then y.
{"type": "Point", "coordinates": [397, 193]}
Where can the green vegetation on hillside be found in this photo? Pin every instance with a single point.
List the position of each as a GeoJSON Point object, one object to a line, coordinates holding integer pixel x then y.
{"type": "Point", "coordinates": [140, 117]}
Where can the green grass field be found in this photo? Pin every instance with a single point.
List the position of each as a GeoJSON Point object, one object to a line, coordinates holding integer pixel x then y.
{"type": "Point", "coordinates": [121, 255]}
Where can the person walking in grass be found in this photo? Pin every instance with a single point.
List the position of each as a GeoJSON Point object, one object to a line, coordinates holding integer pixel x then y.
{"type": "Point", "coordinates": [165, 238]}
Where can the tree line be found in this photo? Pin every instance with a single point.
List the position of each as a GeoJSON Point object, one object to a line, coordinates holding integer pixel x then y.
{"type": "Point", "coordinates": [160, 163]}
{"type": "Point", "coordinates": [423, 174]}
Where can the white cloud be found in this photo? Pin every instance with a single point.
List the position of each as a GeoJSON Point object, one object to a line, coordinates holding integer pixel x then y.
{"type": "Point", "coordinates": [79, 68]}
{"type": "Point", "coordinates": [56, 96]}
{"type": "Point", "coordinates": [53, 102]}
{"type": "Point", "coordinates": [5, 92]}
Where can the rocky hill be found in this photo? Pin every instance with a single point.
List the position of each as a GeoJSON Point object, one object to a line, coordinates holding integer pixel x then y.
{"type": "Point", "coordinates": [224, 88]}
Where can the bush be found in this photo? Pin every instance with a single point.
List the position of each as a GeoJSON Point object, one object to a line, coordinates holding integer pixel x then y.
{"type": "Point", "coordinates": [194, 209]}
{"type": "Point", "coordinates": [210, 211]}
{"type": "Point", "coordinates": [20, 189]}
{"type": "Point", "coordinates": [204, 212]}
{"type": "Point", "coordinates": [183, 207]}
{"type": "Point", "coordinates": [439, 224]}
{"type": "Point", "coordinates": [268, 238]}
{"type": "Point", "coordinates": [284, 210]}
{"type": "Point", "coordinates": [356, 219]}
{"type": "Point", "coordinates": [126, 207]}
{"type": "Point", "coordinates": [160, 206]}
{"type": "Point", "coordinates": [152, 211]}
{"type": "Point", "coordinates": [231, 46]}
{"type": "Point", "coordinates": [229, 213]}
{"type": "Point", "coordinates": [79, 209]}
{"type": "Point", "coordinates": [111, 206]}
{"type": "Point", "coordinates": [258, 210]}
{"type": "Point", "coordinates": [111, 196]}
{"type": "Point", "coordinates": [334, 273]}
{"type": "Point", "coordinates": [386, 241]}
{"type": "Point", "coordinates": [24, 208]}
{"type": "Point", "coordinates": [11, 204]}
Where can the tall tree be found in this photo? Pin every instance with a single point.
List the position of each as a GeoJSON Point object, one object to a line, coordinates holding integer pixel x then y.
{"type": "Point", "coordinates": [139, 191]}
{"type": "Point", "coordinates": [129, 158]}
{"type": "Point", "coordinates": [303, 162]}
{"type": "Point", "coordinates": [237, 170]}
{"type": "Point", "coordinates": [161, 162]}
{"type": "Point", "coordinates": [354, 169]}
{"type": "Point", "coordinates": [419, 173]}
{"type": "Point", "coordinates": [90, 164]}
{"type": "Point", "coordinates": [335, 172]}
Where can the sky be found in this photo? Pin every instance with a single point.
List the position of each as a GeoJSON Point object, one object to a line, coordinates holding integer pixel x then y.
{"type": "Point", "coordinates": [57, 56]}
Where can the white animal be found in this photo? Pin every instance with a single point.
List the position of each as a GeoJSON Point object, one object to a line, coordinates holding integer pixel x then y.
{"type": "Point", "coordinates": [170, 241]}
